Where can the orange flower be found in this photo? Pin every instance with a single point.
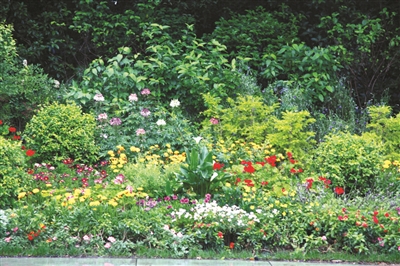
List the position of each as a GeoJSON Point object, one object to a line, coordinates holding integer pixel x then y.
{"type": "Point", "coordinates": [231, 245]}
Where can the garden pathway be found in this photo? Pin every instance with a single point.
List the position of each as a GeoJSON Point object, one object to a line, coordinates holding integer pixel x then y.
{"type": "Point", "coordinates": [150, 262]}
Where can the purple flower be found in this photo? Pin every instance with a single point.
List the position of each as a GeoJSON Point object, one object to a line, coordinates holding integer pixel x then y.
{"type": "Point", "coordinates": [145, 112]}
{"type": "Point", "coordinates": [185, 200]}
{"type": "Point", "coordinates": [115, 121]}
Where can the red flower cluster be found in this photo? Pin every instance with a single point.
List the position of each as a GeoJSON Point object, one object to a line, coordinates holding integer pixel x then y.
{"type": "Point", "coordinates": [339, 190]}
{"type": "Point", "coordinates": [30, 152]}
{"type": "Point", "coordinates": [12, 129]}
{"type": "Point", "coordinates": [249, 182]}
{"type": "Point", "coordinates": [248, 167]}
{"type": "Point", "coordinates": [271, 160]}
{"type": "Point", "coordinates": [326, 181]}
{"type": "Point", "coordinates": [220, 234]}
{"type": "Point", "coordinates": [218, 166]}
{"type": "Point", "coordinates": [32, 234]}
{"type": "Point", "coordinates": [309, 182]}
{"type": "Point", "coordinates": [296, 171]}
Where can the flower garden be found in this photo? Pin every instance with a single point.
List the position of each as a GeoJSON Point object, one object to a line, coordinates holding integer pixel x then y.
{"type": "Point", "coordinates": [184, 189]}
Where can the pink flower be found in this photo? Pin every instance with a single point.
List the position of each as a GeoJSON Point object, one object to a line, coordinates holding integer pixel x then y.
{"type": "Point", "coordinates": [15, 229]}
{"type": "Point", "coordinates": [86, 238]}
{"type": "Point", "coordinates": [7, 239]}
{"type": "Point", "coordinates": [323, 238]}
{"type": "Point", "coordinates": [115, 121]}
{"type": "Point", "coordinates": [107, 245]}
{"type": "Point", "coordinates": [111, 239]}
{"type": "Point", "coordinates": [145, 112]}
{"type": "Point", "coordinates": [214, 121]}
{"type": "Point", "coordinates": [102, 116]}
{"type": "Point", "coordinates": [145, 91]}
{"type": "Point", "coordinates": [129, 188]}
{"type": "Point", "coordinates": [140, 131]}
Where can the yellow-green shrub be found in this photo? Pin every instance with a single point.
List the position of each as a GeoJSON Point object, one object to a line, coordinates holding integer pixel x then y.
{"type": "Point", "coordinates": [13, 176]}
{"type": "Point", "coordinates": [349, 161]}
{"type": "Point", "coordinates": [60, 131]}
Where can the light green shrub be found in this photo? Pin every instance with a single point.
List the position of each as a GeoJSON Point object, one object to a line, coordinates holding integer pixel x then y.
{"type": "Point", "coordinates": [60, 131]}
{"type": "Point", "coordinates": [349, 161]}
{"type": "Point", "coordinates": [13, 176]}
{"type": "Point", "coordinates": [387, 128]}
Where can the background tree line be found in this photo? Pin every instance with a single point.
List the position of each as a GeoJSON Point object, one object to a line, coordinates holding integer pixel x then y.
{"type": "Point", "coordinates": [311, 42]}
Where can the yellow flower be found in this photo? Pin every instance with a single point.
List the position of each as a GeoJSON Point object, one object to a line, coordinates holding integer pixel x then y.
{"type": "Point", "coordinates": [284, 205]}
{"type": "Point", "coordinates": [140, 189]}
{"type": "Point", "coordinates": [58, 197]}
{"type": "Point", "coordinates": [271, 205]}
{"type": "Point", "coordinates": [121, 148]}
{"type": "Point", "coordinates": [21, 195]}
{"type": "Point", "coordinates": [35, 190]}
{"type": "Point", "coordinates": [284, 213]}
{"type": "Point", "coordinates": [113, 203]}
{"type": "Point", "coordinates": [252, 207]}
{"type": "Point", "coordinates": [111, 153]}
{"type": "Point", "coordinates": [228, 184]}
{"type": "Point", "coordinates": [13, 215]}
{"type": "Point", "coordinates": [141, 160]}
{"type": "Point", "coordinates": [94, 203]}
{"type": "Point", "coordinates": [168, 145]}
{"type": "Point", "coordinates": [48, 185]}
{"type": "Point", "coordinates": [386, 164]}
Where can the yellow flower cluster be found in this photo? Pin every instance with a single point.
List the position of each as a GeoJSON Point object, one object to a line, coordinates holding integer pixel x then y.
{"type": "Point", "coordinates": [244, 150]}
{"type": "Point", "coordinates": [387, 164]}
{"type": "Point", "coordinates": [118, 161]}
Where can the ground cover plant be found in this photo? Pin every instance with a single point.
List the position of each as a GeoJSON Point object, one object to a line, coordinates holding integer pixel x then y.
{"type": "Point", "coordinates": [190, 145]}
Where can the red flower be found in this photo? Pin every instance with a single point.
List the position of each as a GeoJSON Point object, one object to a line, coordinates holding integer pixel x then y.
{"type": "Point", "coordinates": [289, 155]}
{"type": "Point", "coordinates": [16, 137]}
{"type": "Point", "coordinates": [12, 129]}
{"type": "Point", "coordinates": [292, 161]}
{"type": "Point", "coordinates": [343, 218]}
{"type": "Point", "coordinates": [271, 160]}
{"type": "Point", "coordinates": [375, 220]}
{"type": "Point", "coordinates": [1, 122]}
{"type": "Point", "coordinates": [293, 171]}
{"type": "Point", "coordinates": [386, 214]}
{"type": "Point", "coordinates": [218, 166]}
{"type": "Point", "coordinates": [261, 163]}
{"type": "Point", "coordinates": [249, 169]}
{"type": "Point", "coordinates": [364, 224]}
{"type": "Point", "coordinates": [375, 213]}
{"type": "Point", "coordinates": [30, 237]}
{"type": "Point", "coordinates": [309, 182]}
{"type": "Point", "coordinates": [30, 152]}
{"type": "Point", "coordinates": [30, 171]}
{"type": "Point", "coordinates": [231, 245]}
{"type": "Point", "coordinates": [237, 181]}
{"type": "Point", "coordinates": [339, 190]}
{"type": "Point", "coordinates": [220, 235]}
{"type": "Point", "coordinates": [249, 182]}
{"type": "Point", "coordinates": [264, 183]}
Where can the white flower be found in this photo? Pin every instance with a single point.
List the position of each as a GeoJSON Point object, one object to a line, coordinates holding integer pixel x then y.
{"type": "Point", "coordinates": [180, 235]}
{"type": "Point", "coordinates": [25, 63]}
{"type": "Point", "coordinates": [161, 122]}
{"type": "Point", "coordinates": [56, 84]}
{"type": "Point", "coordinates": [99, 97]}
{"type": "Point", "coordinates": [197, 139]}
{"type": "Point", "coordinates": [175, 103]}
{"type": "Point", "coordinates": [133, 97]}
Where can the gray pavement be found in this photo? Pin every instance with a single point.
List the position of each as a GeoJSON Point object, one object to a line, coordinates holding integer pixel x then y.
{"type": "Point", "coordinates": [148, 262]}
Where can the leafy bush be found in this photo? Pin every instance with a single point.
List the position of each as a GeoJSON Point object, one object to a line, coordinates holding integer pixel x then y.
{"type": "Point", "coordinates": [245, 117]}
{"type": "Point", "coordinates": [61, 131]}
{"type": "Point", "coordinates": [13, 176]}
{"type": "Point", "coordinates": [350, 161]}
{"type": "Point", "coordinates": [387, 128]}
{"type": "Point", "coordinates": [23, 87]}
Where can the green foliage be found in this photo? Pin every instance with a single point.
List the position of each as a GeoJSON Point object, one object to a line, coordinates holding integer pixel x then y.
{"type": "Point", "coordinates": [246, 117]}
{"type": "Point", "coordinates": [291, 134]}
{"type": "Point", "coordinates": [22, 86]}
{"type": "Point", "coordinates": [387, 128]}
{"type": "Point", "coordinates": [198, 173]}
{"type": "Point", "coordinates": [313, 68]}
{"type": "Point", "coordinates": [13, 176]}
{"type": "Point", "coordinates": [372, 43]}
{"type": "Point", "coordinates": [61, 131]}
{"type": "Point", "coordinates": [256, 33]}
{"type": "Point", "coordinates": [180, 69]}
{"type": "Point", "coordinates": [349, 160]}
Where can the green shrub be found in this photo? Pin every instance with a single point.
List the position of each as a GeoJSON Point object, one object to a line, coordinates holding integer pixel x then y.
{"type": "Point", "coordinates": [60, 131]}
{"type": "Point", "coordinates": [13, 176]}
{"type": "Point", "coordinates": [246, 117]}
{"type": "Point", "coordinates": [387, 128]}
{"type": "Point", "coordinates": [350, 161]}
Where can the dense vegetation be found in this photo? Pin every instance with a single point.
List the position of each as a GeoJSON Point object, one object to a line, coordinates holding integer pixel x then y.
{"type": "Point", "coordinates": [188, 126]}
